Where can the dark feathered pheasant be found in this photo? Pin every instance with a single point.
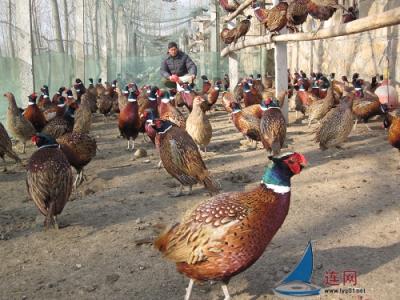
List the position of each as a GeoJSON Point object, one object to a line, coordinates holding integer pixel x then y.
{"type": "Point", "coordinates": [181, 158]}
{"type": "Point", "coordinates": [129, 123]}
{"type": "Point", "coordinates": [168, 112]}
{"type": "Point", "coordinates": [274, 19]}
{"type": "Point", "coordinates": [392, 123]}
{"type": "Point", "coordinates": [272, 127]}
{"type": "Point", "coordinates": [34, 115]}
{"type": "Point", "coordinates": [80, 149]}
{"type": "Point", "coordinates": [62, 123]}
{"type": "Point", "coordinates": [246, 123]}
{"type": "Point", "coordinates": [226, 234]}
{"type": "Point", "coordinates": [229, 36]}
{"type": "Point", "coordinates": [296, 13]}
{"type": "Point", "coordinates": [49, 180]}
{"type": "Point", "coordinates": [6, 146]}
{"type": "Point", "coordinates": [229, 5]}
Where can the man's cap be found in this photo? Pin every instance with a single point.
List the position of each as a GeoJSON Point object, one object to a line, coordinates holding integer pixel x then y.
{"type": "Point", "coordinates": [172, 45]}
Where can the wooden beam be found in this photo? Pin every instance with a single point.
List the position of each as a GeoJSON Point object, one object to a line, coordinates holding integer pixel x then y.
{"type": "Point", "coordinates": [385, 19]}
{"type": "Point", "coordinates": [237, 12]}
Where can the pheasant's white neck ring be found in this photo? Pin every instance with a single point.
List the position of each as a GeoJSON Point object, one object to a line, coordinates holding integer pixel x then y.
{"type": "Point", "coordinates": [165, 100]}
{"type": "Point", "coordinates": [45, 96]}
{"type": "Point", "coordinates": [168, 128]}
{"type": "Point", "coordinates": [61, 105]}
{"type": "Point", "coordinates": [78, 91]}
{"type": "Point", "coordinates": [236, 111]}
{"type": "Point", "coordinates": [152, 99]}
{"type": "Point", "coordinates": [216, 88]}
{"type": "Point", "coordinates": [131, 100]}
{"type": "Point", "coordinates": [279, 189]}
{"type": "Point", "coordinates": [31, 103]}
{"type": "Point", "coordinates": [171, 98]}
{"type": "Point", "coordinates": [50, 146]}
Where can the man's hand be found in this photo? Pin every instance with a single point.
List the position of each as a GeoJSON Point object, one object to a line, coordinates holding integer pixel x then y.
{"type": "Point", "coordinates": [174, 78]}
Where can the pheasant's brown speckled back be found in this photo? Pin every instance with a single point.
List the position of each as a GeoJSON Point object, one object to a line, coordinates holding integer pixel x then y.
{"type": "Point", "coordinates": [79, 148]}
{"type": "Point", "coordinates": [247, 124]}
{"type": "Point", "coordinates": [181, 157]}
{"type": "Point", "coordinates": [6, 145]}
{"type": "Point", "coordinates": [225, 235]}
{"type": "Point", "coordinates": [49, 179]}
{"type": "Point", "coordinates": [273, 130]}
{"type": "Point", "coordinates": [336, 126]}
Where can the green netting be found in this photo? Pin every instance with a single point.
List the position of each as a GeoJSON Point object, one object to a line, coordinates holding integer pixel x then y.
{"type": "Point", "coordinates": [122, 39]}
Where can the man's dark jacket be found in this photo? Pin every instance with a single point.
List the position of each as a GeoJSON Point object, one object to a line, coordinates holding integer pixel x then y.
{"type": "Point", "coordinates": [180, 65]}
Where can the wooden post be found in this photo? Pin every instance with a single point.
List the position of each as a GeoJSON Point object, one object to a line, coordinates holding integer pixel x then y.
{"type": "Point", "coordinates": [80, 40]}
{"type": "Point", "coordinates": [281, 66]}
{"type": "Point", "coordinates": [233, 64]}
{"type": "Point", "coordinates": [24, 50]}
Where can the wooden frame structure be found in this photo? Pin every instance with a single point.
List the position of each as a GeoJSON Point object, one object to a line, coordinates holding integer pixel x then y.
{"type": "Point", "coordinates": [385, 19]}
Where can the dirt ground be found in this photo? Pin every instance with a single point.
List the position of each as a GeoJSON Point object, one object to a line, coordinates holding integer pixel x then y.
{"type": "Point", "coordinates": [346, 202]}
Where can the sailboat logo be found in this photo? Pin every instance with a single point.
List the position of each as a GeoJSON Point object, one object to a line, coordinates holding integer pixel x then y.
{"type": "Point", "coordinates": [298, 282]}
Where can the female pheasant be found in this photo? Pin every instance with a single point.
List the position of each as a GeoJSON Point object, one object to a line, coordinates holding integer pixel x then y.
{"type": "Point", "coordinates": [226, 234]}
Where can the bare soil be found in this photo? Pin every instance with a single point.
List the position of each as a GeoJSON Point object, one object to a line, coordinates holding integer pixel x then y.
{"type": "Point", "coordinates": [347, 202]}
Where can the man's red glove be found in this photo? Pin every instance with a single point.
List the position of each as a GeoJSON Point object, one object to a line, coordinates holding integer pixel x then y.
{"type": "Point", "coordinates": [174, 78]}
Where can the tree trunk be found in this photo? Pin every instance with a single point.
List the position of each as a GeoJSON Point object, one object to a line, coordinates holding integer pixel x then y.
{"type": "Point", "coordinates": [36, 29]}
{"type": "Point", "coordinates": [96, 27]}
{"type": "Point", "coordinates": [57, 25]}
{"type": "Point", "coordinates": [114, 29]}
{"type": "Point", "coordinates": [66, 26]}
{"type": "Point", "coordinates": [12, 50]}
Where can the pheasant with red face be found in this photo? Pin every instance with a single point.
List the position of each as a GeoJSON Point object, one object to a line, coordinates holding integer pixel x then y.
{"type": "Point", "coordinates": [33, 114]}
{"type": "Point", "coordinates": [129, 123]}
{"type": "Point", "coordinates": [226, 234]}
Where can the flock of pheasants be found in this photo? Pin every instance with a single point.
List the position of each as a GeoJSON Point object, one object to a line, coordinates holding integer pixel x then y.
{"type": "Point", "coordinates": [290, 14]}
{"type": "Point", "coordinates": [227, 233]}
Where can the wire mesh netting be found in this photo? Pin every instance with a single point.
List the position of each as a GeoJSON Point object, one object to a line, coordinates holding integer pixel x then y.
{"type": "Point", "coordinates": [108, 39]}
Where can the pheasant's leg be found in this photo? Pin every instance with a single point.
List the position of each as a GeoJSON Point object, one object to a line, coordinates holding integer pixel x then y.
{"type": "Point", "coordinates": [355, 124]}
{"type": "Point", "coordinates": [189, 289]}
{"type": "Point", "coordinates": [80, 177]}
{"type": "Point", "coordinates": [309, 122]}
{"type": "Point", "coordinates": [179, 193]}
{"type": "Point", "coordinates": [5, 165]}
{"type": "Point", "coordinates": [76, 181]}
{"type": "Point", "coordinates": [159, 165]}
{"type": "Point", "coordinates": [55, 223]}
{"type": "Point", "coordinates": [226, 293]}
{"type": "Point", "coordinates": [205, 149]}
{"type": "Point", "coordinates": [366, 125]}
{"type": "Point", "coordinates": [190, 190]}
{"type": "Point", "coordinates": [133, 145]}
{"type": "Point", "coordinates": [129, 143]}
{"type": "Point", "coordinates": [49, 220]}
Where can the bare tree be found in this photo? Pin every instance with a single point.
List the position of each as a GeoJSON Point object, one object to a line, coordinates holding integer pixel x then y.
{"type": "Point", "coordinates": [12, 50]}
{"type": "Point", "coordinates": [57, 25]}
{"type": "Point", "coordinates": [66, 25]}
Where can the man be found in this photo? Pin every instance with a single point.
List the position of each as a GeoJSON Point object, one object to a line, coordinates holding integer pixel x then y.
{"type": "Point", "coordinates": [178, 67]}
